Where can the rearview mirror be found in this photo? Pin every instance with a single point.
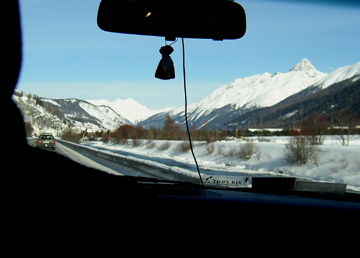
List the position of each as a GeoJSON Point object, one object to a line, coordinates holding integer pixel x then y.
{"type": "Point", "coordinates": [207, 19]}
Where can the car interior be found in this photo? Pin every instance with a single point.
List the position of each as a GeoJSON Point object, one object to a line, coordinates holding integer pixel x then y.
{"type": "Point", "coordinates": [58, 195]}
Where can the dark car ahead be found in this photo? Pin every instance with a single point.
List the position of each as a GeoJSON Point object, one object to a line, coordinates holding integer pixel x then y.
{"type": "Point", "coordinates": [46, 141]}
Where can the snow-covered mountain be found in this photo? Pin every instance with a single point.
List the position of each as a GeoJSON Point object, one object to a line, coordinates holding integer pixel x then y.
{"type": "Point", "coordinates": [261, 90]}
{"type": "Point", "coordinates": [223, 105]}
{"type": "Point", "coordinates": [339, 75]}
{"type": "Point", "coordinates": [85, 114]}
{"type": "Point", "coordinates": [40, 116]}
{"type": "Point", "coordinates": [56, 115]}
{"type": "Point", "coordinates": [128, 108]}
{"type": "Point", "coordinates": [257, 91]}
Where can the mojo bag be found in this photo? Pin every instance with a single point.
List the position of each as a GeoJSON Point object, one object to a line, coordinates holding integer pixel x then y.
{"type": "Point", "coordinates": [165, 69]}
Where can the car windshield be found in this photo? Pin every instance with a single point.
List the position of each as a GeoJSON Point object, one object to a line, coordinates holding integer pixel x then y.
{"type": "Point", "coordinates": [282, 101]}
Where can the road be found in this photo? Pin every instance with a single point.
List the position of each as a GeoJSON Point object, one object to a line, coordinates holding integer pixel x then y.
{"type": "Point", "coordinates": [86, 161]}
{"type": "Point", "coordinates": [112, 167]}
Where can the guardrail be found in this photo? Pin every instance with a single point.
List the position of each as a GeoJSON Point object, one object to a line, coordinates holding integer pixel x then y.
{"type": "Point", "coordinates": [159, 170]}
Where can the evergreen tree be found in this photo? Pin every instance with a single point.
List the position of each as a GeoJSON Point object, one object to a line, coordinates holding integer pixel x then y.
{"type": "Point", "coordinates": [170, 130]}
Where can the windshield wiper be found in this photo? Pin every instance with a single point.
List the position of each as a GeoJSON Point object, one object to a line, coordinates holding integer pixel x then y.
{"type": "Point", "coordinates": [153, 180]}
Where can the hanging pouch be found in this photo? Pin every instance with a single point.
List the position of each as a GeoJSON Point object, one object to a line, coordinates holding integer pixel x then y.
{"type": "Point", "coordinates": [165, 69]}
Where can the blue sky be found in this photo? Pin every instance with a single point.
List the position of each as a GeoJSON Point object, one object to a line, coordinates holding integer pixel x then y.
{"type": "Point", "coordinates": [65, 54]}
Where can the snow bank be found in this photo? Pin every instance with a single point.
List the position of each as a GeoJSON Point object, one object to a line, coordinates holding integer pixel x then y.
{"type": "Point", "coordinates": [335, 163]}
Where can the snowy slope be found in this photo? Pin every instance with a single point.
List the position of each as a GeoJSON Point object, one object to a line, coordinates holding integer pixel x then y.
{"type": "Point", "coordinates": [128, 108]}
{"type": "Point", "coordinates": [257, 91]}
{"type": "Point", "coordinates": [85, 114]}
{"type": "Point", "coordinates": [56, 114]}
{"type": "Point", "coordinates": [339, 75]}
{"type": "Point", "coordinates": [40, 118]}
{"type": "Point", "coordinates": [246, 94]}
{"type": "Point", "coordinates": [242, 95]}
{"type": "Point", "coordinates": [108, 118]}
{"type": "Point", "coordinates": [335, 163]}
{"type": "Point", "coordinates": [262, 90]}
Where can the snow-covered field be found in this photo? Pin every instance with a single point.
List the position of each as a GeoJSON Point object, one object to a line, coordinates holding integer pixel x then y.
{"type": "Point", "coordinates": [335, 163]}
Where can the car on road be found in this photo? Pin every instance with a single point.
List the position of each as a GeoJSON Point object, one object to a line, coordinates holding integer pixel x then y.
{"type": "Point", "coordinates": [46, 140]}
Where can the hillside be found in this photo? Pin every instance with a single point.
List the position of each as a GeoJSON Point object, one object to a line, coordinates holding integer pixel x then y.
{"type": "Point", "coordinates": [290, 112]}
{"type": "Point", "coordinates": [230, 103]}
{"type": "Point", "coordinates": [128, 108]}
{"type": "Point", "coordinates": [58, 114]}
{"type": "Point", "coordinates": [83, 113]}
{"type": "Point", "coordinates": [262, 100]}
{"type": "Point", "coordinates": [39, 114]}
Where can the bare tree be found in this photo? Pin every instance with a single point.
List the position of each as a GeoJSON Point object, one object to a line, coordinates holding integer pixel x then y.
{"type": "Point", "coordinates": [345, 125]}
{"type": "Point", "coordinates": [316, 126]}
{"type": "Point", "coordinates": [300, 150]}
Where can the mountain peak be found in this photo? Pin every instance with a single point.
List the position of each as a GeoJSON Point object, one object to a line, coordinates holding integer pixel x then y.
{"type": "Point", "coordinates": [128, 108]}
{"type": "Point", "coordinates": [303, 65]}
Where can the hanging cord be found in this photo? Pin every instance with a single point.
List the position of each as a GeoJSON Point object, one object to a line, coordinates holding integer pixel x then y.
{"type": "Point", "coordinates": [186, 119]}
{"type": "Point", "coordinates": [171, 43]}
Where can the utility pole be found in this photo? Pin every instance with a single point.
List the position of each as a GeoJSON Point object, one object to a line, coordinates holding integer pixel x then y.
{"type": "Point", "coordinates": [294, 122]}
{"type": "Point", "coordinates": [217, 130]}
{"type": "Point", "coordinates": [332, 129]}
{"type": "Point", "coordinates": [236, 135]}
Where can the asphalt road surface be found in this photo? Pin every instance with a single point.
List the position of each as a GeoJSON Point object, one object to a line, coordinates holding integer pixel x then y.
{"type": "Point", "coordinates": [77, 157]}
{"type": "Point", "coordinates": [108, 166]}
